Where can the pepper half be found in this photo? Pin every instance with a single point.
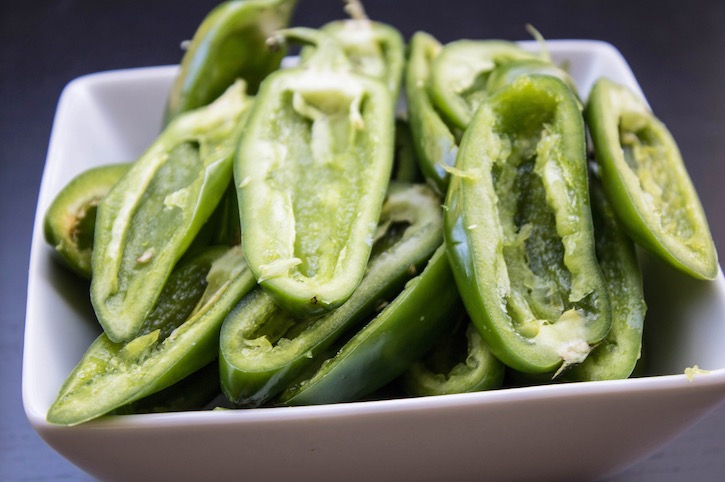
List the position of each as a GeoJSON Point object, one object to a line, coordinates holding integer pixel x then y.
{"type": "Point", "coordinates": [70, 221]}
{"type": "Point", "coordinates": [312, 170]}
{"type": "Point", "coordinates": [151, 215]}
{"type": "Point", "coordinates": [264, 348]}
{"type": "Point", "coordinates": [373, 48]}
{"type": "Point", "coordinates": [179, 337]}
{"type": "Point", "coordinates": [459, 74]}
{"type": "Point", "coordinates": [616, 356]}
{"type": "Point", "coordinates": [646, 181]}
{"type": "Point", "coordinates": [435, 145]}
{"type": "Point", "coordinates": [230, 44]}
{"type": "Point", "coordinates": [519, 229]}
{"type": "Point", "coordinates": [460, 362]}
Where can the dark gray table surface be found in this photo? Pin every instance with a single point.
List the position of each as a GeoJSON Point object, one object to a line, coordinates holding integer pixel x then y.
{"type": "Point", "coordinates": [675, 49]}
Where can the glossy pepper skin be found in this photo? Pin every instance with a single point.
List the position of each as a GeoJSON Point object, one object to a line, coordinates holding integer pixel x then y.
{"type": "Point", "coordinates": [519, 229]}
{"type": "Point", "coordinates": [460, 362]}
{"type": "Point", "coordinates": [264, 348]}
{"type": "Point", "coordinates": [70, 221]}
{"type": "Point", "coordinates": [435, 145]}
{"type": "Point", "coordinates": [312, 169]}
{"type": "Point", "coordinates": [151, 215]}
{"type": "Point", "coordinates": [179, 337]}
{"type": "Point", "coordinates": [459, 72]}
{"type": "Point", "coordinates": [385, 347]}
{"type": "Point", "coordinates": [616, 356]}
{"type": "Point", "coordinates": [230, 44]}
{"type": "Point", "coordinates": [646, 181]}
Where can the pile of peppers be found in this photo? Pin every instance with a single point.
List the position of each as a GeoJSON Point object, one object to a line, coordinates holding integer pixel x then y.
{"type": "Point", "coordinates": [289, 238]}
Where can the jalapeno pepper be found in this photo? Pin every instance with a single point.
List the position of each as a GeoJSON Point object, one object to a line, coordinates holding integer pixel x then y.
{"type": "Point", "coordinates": [384, 348]}
{"type": "Point", "coordinates": [264, 348]}
{"type": "Point", "coordinates": [180, 336]}
{"type": "Point", "coordinates": [436, 146]}
{"type": "Point", "coordinates": [519, 229]}
{"type": "Point", "coordinates": [229, 44]}
{"type": "Point", "coordinates": [616, 356]}
{"type": "Point", "coordinates": [646, 181]}
{"type": "Point", "coordinates": [152, 214]}
{"type": "Point", "coordinates": [373, 48]}
{"type": "Point", "coordinates": [459, 74]}
{"type": "Point", "coordinates": [312, 170]}
{"type": "Point", "coordinates": [505, 73]}
{"type": "Point", "coordinates": [71, 218]}
{"type": "Point", "coordinates": [405, 167]}
{"type": "Point", "coordinates": [460, 362]}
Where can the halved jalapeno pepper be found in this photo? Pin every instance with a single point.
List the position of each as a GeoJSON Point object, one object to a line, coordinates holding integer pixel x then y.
{"type": "Point", "coordinates": [373, 48]}
{"type": "Point", "coordinates": [264, 348]}
{"type": "Point", "coordinates": [519, 229]}
{"type": "Point", "coordinates": [180, 336]}
{"type": "Point", "coordinates": [70, 221]}
{"type": "Point", "coordinates": [460, 71]}
{"type": "Point", "coordinates": [435, 144]}
{"type": "Point", "coordinates": [230, 44]}
{"type": "Point", "coordinates": [312, 169]}
{"type": "Point", "coordinates": [151, 215]}
{"type": "Point", "coordinates": [646, 181]}
{"type": "Point", "coordinates": [616, 356]}
{"type": "Point", "coordinates": [460, 362]}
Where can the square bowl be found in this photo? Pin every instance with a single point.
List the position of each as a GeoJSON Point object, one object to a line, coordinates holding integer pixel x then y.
{"type": "Point", "coordinates": [551, 432]}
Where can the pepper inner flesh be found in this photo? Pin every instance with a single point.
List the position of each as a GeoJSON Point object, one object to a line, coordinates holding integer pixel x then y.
{"type": "Point", "coordinates": [158, 208]}
{"type": "Point", "coordinates": [319, 172]}
{"type": "Point", "coordinates": [644, 153]}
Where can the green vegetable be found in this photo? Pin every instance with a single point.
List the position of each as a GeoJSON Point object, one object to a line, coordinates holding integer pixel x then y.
{"type": "Point", "coordinates": [435, 145]}
{"type": "Point", "coordinates": [229, 44]}
{"type": "Point", "coordinates": [264, 348]}
{"type": "Point", "coordinates": [505, 73]}
{"type": "Point", "coordinates": [384, 348]}
{"type": "Point", "coordinates": [459, 74]}
{"type": "Point", "coordinates": [312, 169]}
{"type": "Point", "coordinates": [460, 362]}
{"type": "Point", "coordinates": [373, 48]}
{"type": "Point", "coordinates": [519, 229]}
{"type": "Point", "coordinates": [180, 336]}
{"type": "Point", "coordinates": [646, 181]}
{"type": "Point", "coordinates": [70, 220]}
{"type": "Point", "coordinates": [148, 219]}
{"type": "Point", "coordinates": [616, 356]}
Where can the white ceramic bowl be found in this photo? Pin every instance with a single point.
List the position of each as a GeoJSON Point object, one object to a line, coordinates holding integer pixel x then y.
{"type": "Point", "coordinates": [576, 431]}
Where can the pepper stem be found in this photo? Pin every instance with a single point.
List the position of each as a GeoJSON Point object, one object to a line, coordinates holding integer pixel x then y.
{"type": "Point", "coordinates": [355, 9]}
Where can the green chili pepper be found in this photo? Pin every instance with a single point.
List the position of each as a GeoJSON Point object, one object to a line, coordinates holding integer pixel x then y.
{"type": "Point", "coordinates": [180, 336]}
{"type": "Point", "coordinates": [519, 229]}
{"type": "Point", "coordinates": [459, 74]}
{"type": "Point", "coordinates": [264, 348]}
{"type": "Point", "coordinates": [387, 346]}
{"type": "Point", "coordinates": [460, 362]}
{"type": "Point", "coordinates": [505, 73]}
{"type": "Point", "coordinates": [373, 48]}
{"type": "Point", "coordinates": [229, 44]}
{"type": "Point", "coordinates": [71, 218]}
{"type": "Point", "coordinates": [436, 146]}
{"type": "Point", "coordinates": [152, 214]}
{"type": "Point", "coordinates": [312, 170]}
{"type": "Point", "coordinates": [646, 181]}
{"type": "Point", "coordinates": [616, 356]}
